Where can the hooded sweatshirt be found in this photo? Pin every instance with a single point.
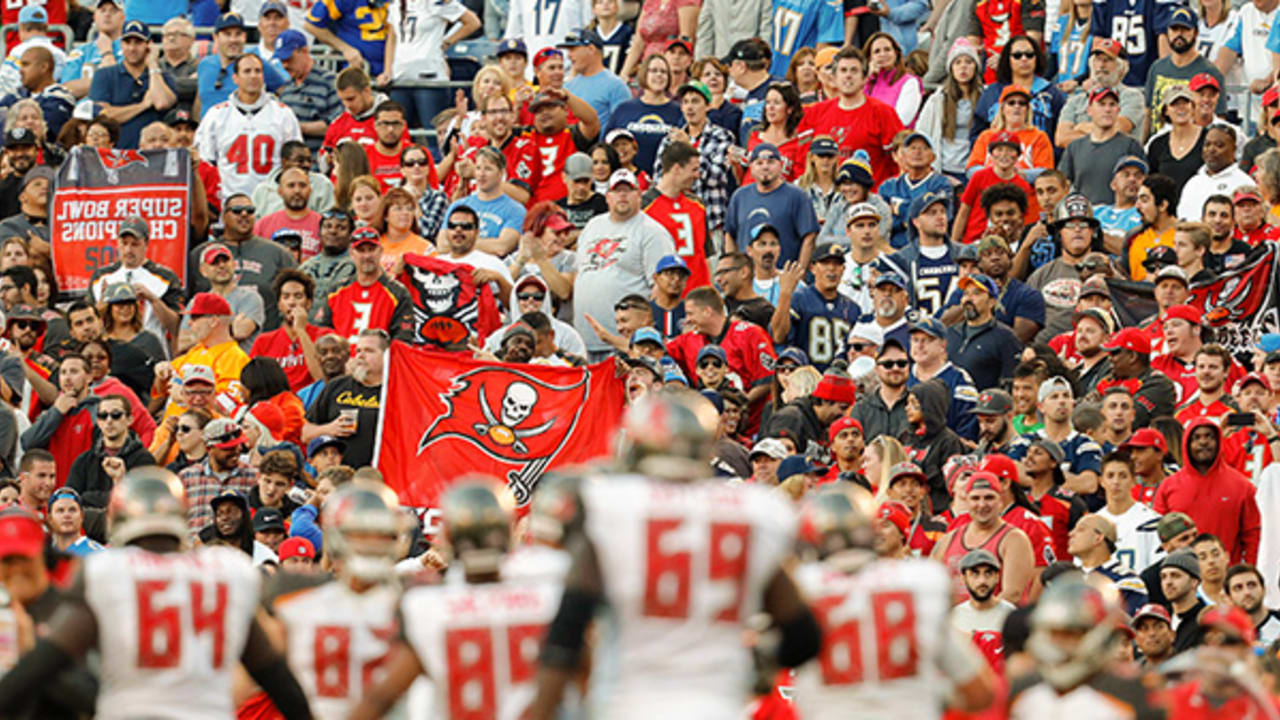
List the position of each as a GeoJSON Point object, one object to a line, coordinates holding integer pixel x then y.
{"type": "Point", "coordinates": [92, 482]}
{"type": "Point", "coordinates": [567, 338]}
{"type": "Point", "coordinates": [1220, 500]}
{"type": "Point", "coordinates": [931, 443]}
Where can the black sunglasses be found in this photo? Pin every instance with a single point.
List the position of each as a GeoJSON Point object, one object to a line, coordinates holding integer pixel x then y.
{"type": "Point", "coordinates": [894, 363]}
{"type": "Point", "coordinates": [110, 415]}
{"type": "Point", "coordinates": [859, 347]}
{"type": "Point", "coordinates": [710, 362]}
{"type": "Point", "coordinates": [25, 324]}
{"type": "Point", "coordinates": [241, 210]}
{"type": "Point", "coordinates": [630, 306]}
{"type": "Point", "coordinates": [415, 163]}
{"type": "Point", "coordinates": [1022, 55]}
{"type": "Point", "coordinates": [186, 429]}
{"type": "Point", "coordinates": [462, 226]}
{"type": "Point", "coordinates": [532, 296]}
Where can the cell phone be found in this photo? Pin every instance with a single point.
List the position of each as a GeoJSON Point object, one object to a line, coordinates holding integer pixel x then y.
{"type": "Point", "coordinates": [1243, 419]}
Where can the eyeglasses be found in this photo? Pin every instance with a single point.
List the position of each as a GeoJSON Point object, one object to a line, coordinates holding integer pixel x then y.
{"type": "Point", "coordinates": [110, 415]}
{"type": "Point", "coordinates": [184, 429]}
{"type": "Point", "coordinates": [532, 296]}
{"type": "Point", "coordinates": [894, 364]}
{"type": "Point", "coordinates": [462, 226]}
{"type": "Point", "coordinates": [710, 362]}
{"type": "Point", "coordinates": [415, 163]}
{"type": "Point", "coordinates": [241, 209]}
{"type": "Point", "coordinates": [1022, 55]}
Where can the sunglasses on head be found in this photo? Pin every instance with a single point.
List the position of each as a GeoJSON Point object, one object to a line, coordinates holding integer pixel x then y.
{"type": "Point", "coordinates": [64, 492]}
{"type": "Point", "coordinates": [629, 306]}
{"type": "Point", "coordinates": [110, 414]}
{"type": "Point", "coordinates": [532, 296]}
{"type": "Point", "coordinates": [891, 364]}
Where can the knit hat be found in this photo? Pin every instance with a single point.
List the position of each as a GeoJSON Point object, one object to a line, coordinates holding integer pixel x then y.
{"type": "Point", "coordinates": [841, 425]}
{"type": "Point", "coordinates": [896, 513]}
{"type": "Point", "coordinates": [857, 169]}
{"type": "Point", "coordinates": [836, 386]}
{"type": "Point", "coordinates": [1183, 560]}
{"type": "Point", "coordinates": [962, 46]}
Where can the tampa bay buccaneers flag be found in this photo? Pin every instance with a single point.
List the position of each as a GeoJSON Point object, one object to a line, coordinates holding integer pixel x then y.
{"type": "Point", "coordinates": [447, 415]}
{"type": "Point", "coordinates": [448, 306]}
{"type": "Point", "coordinates": [1242, 303]}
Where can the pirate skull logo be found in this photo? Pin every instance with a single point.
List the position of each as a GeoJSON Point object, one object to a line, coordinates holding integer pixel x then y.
{"type": "Point", "coordinates": [517, 404]}
{"type": "Point", "coordinates": [439, 290]}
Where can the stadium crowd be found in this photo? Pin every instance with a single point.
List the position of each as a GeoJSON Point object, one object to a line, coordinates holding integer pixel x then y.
{"type": "Point", "coordinates": [952, 263]}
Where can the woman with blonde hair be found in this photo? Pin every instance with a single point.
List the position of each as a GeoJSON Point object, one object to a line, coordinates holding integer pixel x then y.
{"type": "Point", "coordinates": [1014, 117]}
{"type": "Point", "coordinates": [819, 177]}
{"type": "Point", "coordinates": [349, 163]}
{"type": "Point", "coordinates": [882, 453]}
{"type": "Point", "coordinates": [799, 383]}
{"type": "Point", "coordinates": [1072, 44]}
{"type": "Point", "coordinates": [366, 198]}
{"type": "Point", "coordinates": [396, 219]}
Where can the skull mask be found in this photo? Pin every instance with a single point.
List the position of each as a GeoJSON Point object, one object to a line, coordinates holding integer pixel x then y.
{"type": "Point", "coordinates": [517, 403]}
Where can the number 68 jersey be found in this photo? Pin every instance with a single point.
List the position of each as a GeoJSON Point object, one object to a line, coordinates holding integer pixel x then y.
{"type": "Point", "coordinates": [171, 628]}
{"type": "Point", "coordinates": [244, 140]}
{"type": "Point", "coordinates": [887, 642]}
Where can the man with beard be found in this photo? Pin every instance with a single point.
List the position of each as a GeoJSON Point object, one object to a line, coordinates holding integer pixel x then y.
{"type": "Point", "coordinates": [814, 317]}
{"type": "Point", "coordinates": [549, 143]}
{"type": "Point", "coordinates": [733, 274]}
{"type": "Point", "coordinates": [1074, 227]}
{"type": "Point", "coordinates": [884, 411]}
{"type": "Point", "coordinates": [232, 526]}
{"type": "Point", "coordinates": [1247, 590]}
{"type": "Point", "coordinates": [891, 300]}
{"type": "Point", "coordinates": [1092, 330]}
{"type": "Point", "coordinates": [928, 441]}
{"type": "Point", "coordinates": [1178, 67]}
{"type": "Point", "coordinates": [1218, 175]}
{"type": "Point", "coordinates": [983, 611]}
{"type": "Point", "coordinates": [32, 220]}
{"type": "Point", "coordinates": [295, 154]}
{"type": "Point", "coordinates": [1180, 581]}
{"type": "Point", "coordinates": [256, 260]}
{"type": "Point", "coordinates": [929, 264]}
{"type": "Point", "coordinates": [1156, 204]}
{"type": "Point", "coordinates": [847, 444]}
{"type": "Point", "coordinates": [1137, 543]}
{"type": "Point", "coordinates": [1219, 498]}
{"type": "Point", "coordinates": [1021, 307]}
{"type": "Point", "coordinates": [294, 189]}
{"type": "Point", "coordinates": [115, 450]}
{"type": "Point", "coordinates": [1225, 251]}
{"type": "Point", "coordinates": [773, 200]}
{"type": "Point", "coordinates": [24, 328]}
{"type": "Point", "coordinates": [151, 281]}
{"type": "Point", "coordinates": [65, 428]}
{"type": "Point", "coordinates": [1042, 480]}
{"type": "Point", "coordinates": [1082, 458]}
{"type": "Point", "coordinates": [987, 530]}
{"type": "Point", "coordinates": [372, 300]}
{"type": "Point", "coordinates": [517, 344]}
{"type": "Point", "coordinates": [1092, 544]}
{"type": "Point", "coordinates": [293, 343]}
{"type": "Point", "coordinates": [384, 154]}
{"type": "Point", "coordinates": [1107, 68]}
{"type": "Point", "coordinates": [763, 249]}
{"type": "Point", "coordinates": [994, 413]}
{"type": "Point", "coordinates": [982, 345]}
{"type": "Point", "coordinates": [1121, 217]}
{"type": "Point", "coordinates": [1154, 394]}
{"type": "Point", "coordinates": [348, 405]}
{"type": "Point", "coordinates": [929, 358]}
{"type": "Point", "coordinates": [1210, 399]}
{"type": "Point", "coordinates": [333, 267]}
{"type": "Point", "coordinates": [20, 155]}
{"type": "Point", "coordinates": [332, 350]}
{"type": "Point", "coordinates": [218, 268]}
{"type": "Point", "coordinates": [1117, 418]}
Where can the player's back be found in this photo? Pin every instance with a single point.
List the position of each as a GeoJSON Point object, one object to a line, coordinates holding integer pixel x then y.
{"type": "Point", "coordinates": [338, 639]}
{"type": "Point", "coordinates": [479, 643]}
{"type": "Point", "coordinates": [684, 565]}
{"type": "Point", "coordinates": [171, 627]}
{"type": "Point", "coordinates": [886, 639]}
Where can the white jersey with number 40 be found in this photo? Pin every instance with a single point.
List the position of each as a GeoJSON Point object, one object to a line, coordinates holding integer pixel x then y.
{"type": "Point", "coordinates": [245, 144]}
{"type": "Point", "coordinates": [171, 628]}
{"type": "Point", "coordinates": [684, 566]}
{"type": "Point", "coordinates": [338, 642]}
{"type": "Point", "coordinates": [887, 644]}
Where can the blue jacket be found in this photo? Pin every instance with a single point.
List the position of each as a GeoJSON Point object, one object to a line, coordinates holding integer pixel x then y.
{"type": "Point", "coordinates": [964, 397]}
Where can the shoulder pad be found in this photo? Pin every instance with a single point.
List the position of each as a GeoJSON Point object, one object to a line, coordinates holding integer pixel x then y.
{"type": "Point", "coordinates": [556, 510]}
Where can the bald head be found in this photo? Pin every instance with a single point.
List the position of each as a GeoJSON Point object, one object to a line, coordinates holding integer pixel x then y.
{"type": "Point", "coordinates": [37, 68]}
{"type": "Point", "coordinates": [295, 189]}
{"type": "Point", "coordinates": [156, 136]}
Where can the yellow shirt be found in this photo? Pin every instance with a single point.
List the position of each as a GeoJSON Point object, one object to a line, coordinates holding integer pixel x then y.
{"type": "Point", "coordinates": [226, 359]}
{"type": "Point", "coordinates": [1141, 245]}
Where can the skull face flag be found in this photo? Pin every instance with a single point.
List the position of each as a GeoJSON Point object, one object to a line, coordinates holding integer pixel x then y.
{"type": "Point", "coordinates": [447, 415]}
{"type": "Point", "coordinates": [448, 306]}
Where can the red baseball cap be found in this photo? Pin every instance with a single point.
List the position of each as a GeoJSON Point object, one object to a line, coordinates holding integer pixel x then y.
{"type": "Point", "coordinates": [1154, 610]}
{"type": "Point", "coordinates": [1130, 338]}
{"type": "Point", "coordinates": [1002, 467]}
{"type": "Point", "coordinates": [557, 222]}
{"type": "Point", "coordinates": [1190, 313]}
{"type": "Point", "coordinates": [546, 54]}
{"type": "Point", "coordinates": [1253, 377]}
{"type": "Point", "coordinates": [1204, 80]}
{"type": "Point", "coordinates": [1109, 46]}
{"type": "Point", "coordinates": [1271, 96]}
{"type": "Point", "coordinates": [365, 235]}
{"type": "Point", "coordinates": [1102, 92]}
{"type": "Point", "coordinates": [213, 252]}
{"type": "Point", "coordinates": [896, 513]}
{"type": "Point", "coordinates": [1147, 438]}
{"type": "Point", "coordinates": [207, 303]}
{"type": "Point", "coordinates": [1229, 618]}
{"type": "Point", "coordinates": [842, 424]}
{"type": "Point", "coordinates": [983, 480]}
{"type": "Point", "coordinates": [1004, 137]}
{"type": "Point", "coordinates": [20, 534]}
{"type": "Point", "coordinates": [1247, 194]}
{"type": "Point", "coordinates": [296, 547]}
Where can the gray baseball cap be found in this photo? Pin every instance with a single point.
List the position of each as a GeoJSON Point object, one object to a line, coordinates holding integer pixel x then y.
{"type": "Point", "coordinates": [978, 558]}
{"type": "Point", "coordinates": [578, 166]}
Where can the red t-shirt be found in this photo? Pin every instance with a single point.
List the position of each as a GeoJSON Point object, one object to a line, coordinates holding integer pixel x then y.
{"type": "Point", "coordinates": [308, 227]}
{"type": "Point", "coordinates": [276, 344]}
{"type": "Point", "coordinates": [361, 131]}
{"type": "Point", "coordinates": [981, 180]}
{"type": "Point", "coordinates": [386, 168]}
{"type": "Point", "coordinates": [870, 126]}
{"type": "Point", "coordinates": [795, 154]}
{"type": "Point", "coordinates": [686, 219]}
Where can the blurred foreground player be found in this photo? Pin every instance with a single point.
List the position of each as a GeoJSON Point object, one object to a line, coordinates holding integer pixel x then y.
{"type": "Point", "coordinates": [173, 624]}
{"type": "Point", "coordinates": [683, 562]}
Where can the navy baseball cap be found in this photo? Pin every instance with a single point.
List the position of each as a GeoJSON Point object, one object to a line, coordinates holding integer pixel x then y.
{"type": "Point", "coordinates": [646, 334]}
{"type": "Point", "coordinates": [793, 355]}
{"type": "Point", "coordinates": [512, 45]}
{"type": "Point", "coordinates": [319, 443]}
{"type": "Point", "coordinates": [966, 253]}
{"type": "Point", "coordinates": [917, 136]}
{"type": "Point", "coordinates": [922, 203]}
{"type": "Point", "coordinates": [671, 262]}
{"type": "Point", "coordinates": [227, 21]}
{"type": "Point", "coordinates": [714, 351]}
{"type": "Point", "coordinates": [288, 42]}
{"type": "Point", "coordinates": [828, 251]}
{"type": "Point", "coordinates": [797, 465]}
{"type": "Point", "coordinates": [824, 147]}
{"type": "Point", "coordinates": [891, 278]}
{"type": "Point", "coordinates": [581, 38]}
{"type": "Point", "coordinates": [931, 325]}
{"type": "Point", "coordinates": [137, 29]}
{"type": "Point", "coordinates": [765, 150]}
{"type": "Point", "coordinates": [983, 281]}
{"type": "Point", "coordinates": [1184, 17]}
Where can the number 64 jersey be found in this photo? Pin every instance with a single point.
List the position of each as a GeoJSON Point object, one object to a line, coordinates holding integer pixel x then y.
{"type": "Point", "coordinates": [171, 628]}
{"type": "Point", "coordinates": [887, 642]}
{"type": "Point", "coordinates": [244, 140]}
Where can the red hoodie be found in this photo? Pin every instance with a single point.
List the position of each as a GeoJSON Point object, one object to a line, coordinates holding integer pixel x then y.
{"type": "Point", "coordinates": [1220, 501]}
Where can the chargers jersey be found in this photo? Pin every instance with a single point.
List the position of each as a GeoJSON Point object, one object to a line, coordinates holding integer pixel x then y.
{"type": "Point", "coordinates": [171, 629]}
{"type": "Point", "coordinates": [1137, 25]}
{"type": "Point", "coordinates": [684, 566]}
{"type": "Point", "coordinates": [804, 23]}
{"type": "Point", "coordinates": [479, 643]}
{"type": "Point", "coordinates": [245, 143]}
{"type": "Point", "coordinates": [338, 640]}
{"type": "Point", "coordinates": [929, 278]}
{"type": "Point", "coordinates": [819, 326]}
{"type": "Point", "coordinates": [545, 23]}
{"type": "Point", "coordinates": [888, 647]}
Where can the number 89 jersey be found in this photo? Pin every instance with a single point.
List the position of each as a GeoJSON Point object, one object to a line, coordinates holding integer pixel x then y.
{"type": "Point", "coordinates": [886, 642]}
{"type": "Point", "coordinates": [245, 142]}
{"type": "Point", "coordinates": [684, 565]}
{"type": "Point", "coordinates": [171, 627]}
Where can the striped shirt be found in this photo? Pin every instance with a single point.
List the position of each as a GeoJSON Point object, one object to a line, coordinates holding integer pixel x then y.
{"type": "Point", "coordinates": [202, 484]}
{"type": "Point", "coordinates": [314, 98]}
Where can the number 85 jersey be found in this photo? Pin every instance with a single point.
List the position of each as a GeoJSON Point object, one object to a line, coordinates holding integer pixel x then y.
{"type": "Point", "coordinates": [244, 140]}
{"type": "Point", "coordinates": [887, 642]}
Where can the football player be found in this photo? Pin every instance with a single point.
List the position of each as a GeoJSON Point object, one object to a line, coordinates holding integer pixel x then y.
{"type": "Point", "coordinates": [170, 626]}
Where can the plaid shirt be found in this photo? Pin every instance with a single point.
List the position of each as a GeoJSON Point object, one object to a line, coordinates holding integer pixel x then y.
{"type": "Point", "coordinates": [202, 485]}
{"type": "Point", "coordinates": [433, 203]}
{"type": "Point", "coordinates": [715, 181]}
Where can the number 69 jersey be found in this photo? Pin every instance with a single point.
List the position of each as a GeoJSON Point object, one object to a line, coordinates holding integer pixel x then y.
{"type": "Point", "coordinates": [683, 566]}
{"type": "Point", "coordinates": [886, 642]}
{"type": "Point", "coordinates": [244, 140]}
{"type": "Point", "coordinates": [479, 643]}
{"type": "Point", "coordinates": [171, 627]}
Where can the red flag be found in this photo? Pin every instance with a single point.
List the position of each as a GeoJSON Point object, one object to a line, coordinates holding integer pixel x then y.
{"type": "Point", "coordinates": [447, 415]}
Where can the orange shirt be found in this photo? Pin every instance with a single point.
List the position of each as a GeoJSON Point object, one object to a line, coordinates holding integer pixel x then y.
{"type": "Point", "coordinates": [1037, 151]}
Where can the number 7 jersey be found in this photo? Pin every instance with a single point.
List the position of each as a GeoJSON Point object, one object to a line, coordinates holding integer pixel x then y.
{"type": "Point", "coordinates": [171, 628]}
{"type": "Point", "coordinates": [244, 141]}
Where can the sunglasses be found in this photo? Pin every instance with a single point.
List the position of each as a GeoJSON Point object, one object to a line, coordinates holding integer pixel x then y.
{"type": "Point", "coordinates": [710, 362]}
{"type": "Point", "coordinates": [784, 368]}
{"type": "Point", "coordinates": [241, 210]}
{"type": "Point", "coordinates": [112, 415]}
{"type": "Point", "coordinates": [1022, 55]}
{"type": "Point", "coordinates": [892, 364]}
{"type": "Point", "coordinates": [859, 347]}
{"type": "Point", "coordinates": [1013, 102]}
{"type": "Point", "coordinates": [64, 492]}
{"type": "Point", "coordinates": [630, 306]}
{"type": "Point", "coordinates": [184, 429]}
{"type": "Point", "coordinates": [414, 163]}
{"type": "Point", "coordinates": [532, 296]}
{"type": "Point", "coordinates": [462, 226]}
{"type": "Point", "coordinates": [25, 324]}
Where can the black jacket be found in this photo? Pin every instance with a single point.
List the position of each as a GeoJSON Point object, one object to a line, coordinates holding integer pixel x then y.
{"type": "Point", "coordinates": [933, 444]}
{"type": "Point", "coordinates": [92, 482]}
{"type": "Point", "coordinates": [801, 423]}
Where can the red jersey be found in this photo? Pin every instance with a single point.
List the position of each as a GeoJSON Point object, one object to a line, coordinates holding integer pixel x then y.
{"type": "Point", "coordinates": [750, 353]}
{"type": "Point", "coordinates": [1183, 375]}
{"type": "Point", "coordinates": [1216, 410]}
{"type": "Point", "coordinates": [795, 155]}
{"type": "Point", "coordinates": [347, 127]}
{"type": "Point", "coordinates": [1188, 702]}
{"type": "Point", "coordinates": [1258, 234]}
{"type": "Point", "coordinates": [212, 180]}
{"type": "Point", "coordinates": [870, 126]}
{"type": "Point", "coordinates": [276, 344]}
{"type": "Point", "coordinates": [547, 156]}
{"type": "Point", "coordinates": [686, 219]}
{"type": "Point", "coordinates": [1059, 510]}
{"type": "Point", "coordinates": [1247, 451]}
{"type": "Point", "coordinates": [981, 180]}
{"type": "Point", "coordinates": [1003, 19]}
{"type": "Point", "coordinates": [1145, 494]}
{"type": "Point", "coordinates": [386, 168]}
{"type": "Point", "coordinates": [356, 307]}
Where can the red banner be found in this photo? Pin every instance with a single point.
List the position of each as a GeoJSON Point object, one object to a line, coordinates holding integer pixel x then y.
{"type": "Point", "coordinates": [96, 189]}
{"type": "Point", "coordinates": [447, 415]}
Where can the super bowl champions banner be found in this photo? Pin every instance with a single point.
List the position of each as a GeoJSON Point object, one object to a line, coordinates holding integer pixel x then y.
{"type": "Point", "coordinates": [95, 189]}
{"type": "Point", "coordinates": [446, 415]}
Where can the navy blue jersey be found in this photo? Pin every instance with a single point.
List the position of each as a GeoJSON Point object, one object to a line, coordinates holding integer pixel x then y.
{"type": "Point", "coordinates": [1128, 582]}
{"type": "Point", "coordinates": [899, 191]}
{"type": "Point", "coordinates": [964, 396]}
{"type": "Point", "coordinates": [929, 280]}
{"type": "Point", "coordinates": [616, 46]}
{"type": "Point", "coordinates": [1135, 24]}
{"type": "Point", "coordinates": [819, 326]}
{"type": "Point", "coordinates": [1081, 451]}
{"type": "Point", "coordinates": [668, 322]}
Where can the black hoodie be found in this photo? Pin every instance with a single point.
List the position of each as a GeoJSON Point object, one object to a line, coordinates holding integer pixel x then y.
{"type": "Point", "coordinates": [932, 443]}
{"type": "Point", "coordinates": [92, 482]}
{"type": "Point", "coordinates": [799, 418]}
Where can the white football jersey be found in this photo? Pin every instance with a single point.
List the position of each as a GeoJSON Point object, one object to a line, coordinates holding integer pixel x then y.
{"type": "Point", "coordinates": [338, 641]}
{"type": "Point", "coordinates": [245, 145]}
{"type": "Point", "coordinates": [171, 628]}
{"type": "Point", "coordinates": [479, 643]}
{"type": "Point", "coordinates": [536, 562]}
{"type": "Point", "coordinates": [684, 567]}
{"type": "Point", "coordinates": [888, 647]}
{"type": "Point", "coordinates": [1137, 544]}
{"type": "Point", "coordinates": [545, 23]}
